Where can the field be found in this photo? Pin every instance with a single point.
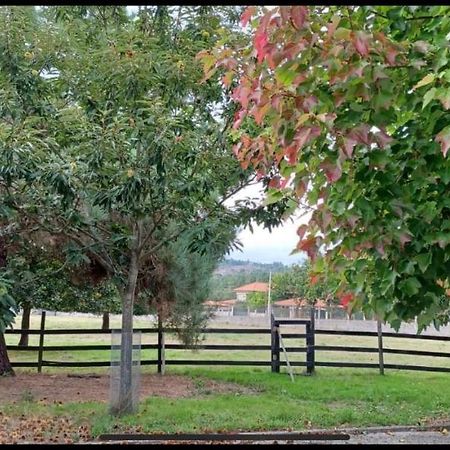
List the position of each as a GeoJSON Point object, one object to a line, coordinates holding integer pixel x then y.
{"type": "Point", "coordinates": [213, 399]}
{"type": "Point", "coordinates": [61, 322]}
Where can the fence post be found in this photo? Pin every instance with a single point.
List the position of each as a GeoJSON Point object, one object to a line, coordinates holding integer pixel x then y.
{"type": "Point", "coordinates": [274, 345]}
{"type": "Point", "coordinates": [310, 344]}
{"type": "Point", "coordinates": [41, 342]}
{"type": "Point", "coordinates": [380, 346]}
{"type": "Point", "coordinates": [161, 349]}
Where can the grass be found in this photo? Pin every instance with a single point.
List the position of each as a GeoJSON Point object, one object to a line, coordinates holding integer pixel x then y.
{"type": "Point", "coordinates": [60, 322]}
{"type": "Point", "coordinates": [331, 398]}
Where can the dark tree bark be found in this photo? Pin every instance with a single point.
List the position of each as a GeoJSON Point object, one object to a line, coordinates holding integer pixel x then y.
{"type": "Point", "coordinates": [105, 321]}
{"type": "Point", "coordinates": [5, 365]}
{"type": "Point", "coordinates": [25, 325]}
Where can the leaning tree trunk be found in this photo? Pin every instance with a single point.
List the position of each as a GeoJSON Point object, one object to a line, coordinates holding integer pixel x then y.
{"type": "Point", "coordinates": [25, 325]}
{"type": "Point", "coordinates": [105, 321]}
{"type": "Point", "coordinates": [125, 402]}
{"type": "Point", "coordinates": [5, 365]}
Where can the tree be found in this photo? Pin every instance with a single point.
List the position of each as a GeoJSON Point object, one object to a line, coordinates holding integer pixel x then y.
{"type": "Point", "coordinates": [116, 150]}
{"type": "Point", "coordinates": [256, 300]}
{"type": "Point", "coordinates": [344, 111]}
{"type": "Point", "coordinates": [300, 282]}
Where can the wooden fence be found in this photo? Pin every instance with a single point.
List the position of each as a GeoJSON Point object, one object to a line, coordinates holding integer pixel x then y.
{"type": "Point", "coordinates": [311, 350]}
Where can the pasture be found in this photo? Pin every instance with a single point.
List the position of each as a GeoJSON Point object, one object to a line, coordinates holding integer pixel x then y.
{"type": "Point", "coordinates": [214, 399]}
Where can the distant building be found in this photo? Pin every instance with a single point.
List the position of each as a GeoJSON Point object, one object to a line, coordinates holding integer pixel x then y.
{"type": "Point", "coordinates": [221, 307]}
{"type": "Point", "coordinates": [295, 304]}
{"type": "Point", "coordinates": [257, 286]}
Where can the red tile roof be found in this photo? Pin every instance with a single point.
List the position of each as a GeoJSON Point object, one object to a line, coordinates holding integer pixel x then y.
{"type": "Point", "coordinates": [219, 303]}
{"type": "Point", "coordinates": [257, 286]}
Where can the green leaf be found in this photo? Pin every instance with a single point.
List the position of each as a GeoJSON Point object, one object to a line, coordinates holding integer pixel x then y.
{"type": "Point", "coordinates": [430, 95]}
{"type": "Point", "coordinates": [424, 81]}
{"type": "Point", "coordinates": [410, 286]}
{"type": "Point", "coordinates": [423, 261]}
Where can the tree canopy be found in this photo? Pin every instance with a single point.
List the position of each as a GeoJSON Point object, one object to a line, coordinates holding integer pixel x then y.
{"type": "Point", "coordinates": [343, 110]}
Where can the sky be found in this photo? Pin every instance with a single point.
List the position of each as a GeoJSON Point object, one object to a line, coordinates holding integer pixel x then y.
{"type": "Point", "coordinates": [264, 246]}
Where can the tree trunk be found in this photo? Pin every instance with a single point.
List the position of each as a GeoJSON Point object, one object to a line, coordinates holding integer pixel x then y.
{"type": "Point", "coordinates": [5, 366]}
{"type": "Point", "coordinates": [23, 342]}
{"type": "Point", "coordinates": [105, 321]}
{"type": "Point", "coordinates": [125, 403]}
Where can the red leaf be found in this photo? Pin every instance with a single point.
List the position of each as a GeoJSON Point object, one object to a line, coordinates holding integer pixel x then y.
{"type": "Point", "coordinates": [260, 42]}
{"type": "Point", "coordinates": [285, 13]}
{"type": "Point", "coordinates": [304, 135]}
{"type": "Point", "coordinates": [331, 27]}
{"type": "Point", "coordinates": [274, 58]}
{"type": "Point", "coordinates": [260, 112]}
{"type": "Point", "coordinates": [314, 279]}
{"type": "Point", "coordinates": [310, 102]}
{"type": "Point", "coordinates": [309, 246]}
{"type": "Point", "coordinates": [284, 182]}
{"type": "Point", "coordinates": [276, 101]}
{"type": "Point", "coordinates": [241, 94]}
{"type": "Point", "coordinates": [247, 15]}
{"type": "Point", "coordinates": [292, 49]}
{"type": "Point", "coordinates": [383, 138]}
{"type": "Point", "coordinates": [332, 171]}
{"type": "Point", "coordinates": [404, 238]}
{"type": "Point", "coordinates": [349, 145]}
{"type": "Point", "coordinates": [291, 153]}
{"type": "Point", "coordinates": [298, 16]}
{"type": "Point", "coordinates": [339, 98]}
{"type": "Point", "coordinates": [238, 118]}
{"type": "Point", "coordinates": [300, 189]}
{"type": "Point", "coordinates": [360, 134]}
{"type": "Point", "coordinates": [443, 138]}
{"type": "Point", "coordinates": [227, 78]}
{"type": "Point", "coordinates": [346, 299]}
{"type": "Point", "coordinates": [301, 230]}
{"type": "Point", "coordinates": [360, 41]}
{"type": "Point", "coordinates": [274, 182]}
{"type": "Point", "coordinates": [391, 53]}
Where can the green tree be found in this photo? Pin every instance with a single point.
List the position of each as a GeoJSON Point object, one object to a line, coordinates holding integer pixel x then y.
{"type": "Point", "coordinates": [115, 149]}
{"type": "Point", "coordinates": [300, 282]}
{"type": "Point", "coordinates": [256, 300]}
{"type": "Point", "coordinates": [344, 111]}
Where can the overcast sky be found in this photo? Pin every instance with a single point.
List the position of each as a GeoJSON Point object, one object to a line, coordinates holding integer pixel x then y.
{"type": "Point", "coordinates": [264, 246]}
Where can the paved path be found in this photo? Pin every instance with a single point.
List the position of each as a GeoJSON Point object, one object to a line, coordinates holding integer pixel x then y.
{"type": "Point", "coordinates": [377, 435]}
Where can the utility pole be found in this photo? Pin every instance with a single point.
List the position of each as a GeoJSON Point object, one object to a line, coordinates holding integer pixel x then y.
{"type": "Point", "coordinates": [269, 306]}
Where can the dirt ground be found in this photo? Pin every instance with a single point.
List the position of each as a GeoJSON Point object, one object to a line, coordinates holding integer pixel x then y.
{"type": "Point", "coordinates": [72, 388]}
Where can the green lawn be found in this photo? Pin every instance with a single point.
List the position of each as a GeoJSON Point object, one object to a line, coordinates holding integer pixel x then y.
{"type": "Point", "coordinates": [331, 398]}
{"type": "Point", "coordinates": [334, 397]}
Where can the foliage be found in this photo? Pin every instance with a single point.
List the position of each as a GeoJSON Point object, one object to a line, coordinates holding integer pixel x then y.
{"type": "Point", "coordinates": [256, 300]}
{"type": "Point", "coordinates": [110, 144]}
{"type": "Point", "coordinates": [343, 110]}
{"type": "Point", "coordinates": [299, 282]}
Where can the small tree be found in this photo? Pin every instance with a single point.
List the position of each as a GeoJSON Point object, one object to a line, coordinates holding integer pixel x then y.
{"type": "Point", "coordinates": [256, 300]}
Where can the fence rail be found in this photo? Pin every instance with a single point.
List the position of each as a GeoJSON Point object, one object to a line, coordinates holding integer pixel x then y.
{"type": "Point", "coordinates": [310, 349]}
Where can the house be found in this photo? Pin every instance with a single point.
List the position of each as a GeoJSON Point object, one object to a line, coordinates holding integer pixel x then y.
{"type": "Point", "coordinates": [221, 307]}
{"type": "Point", "coordinates": [257, 286]}
{"type": "Point", "coordinates": [294, 304]}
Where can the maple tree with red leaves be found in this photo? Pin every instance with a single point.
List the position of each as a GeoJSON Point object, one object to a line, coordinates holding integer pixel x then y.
{"type": "Point", "coordinates": [343, 110]}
